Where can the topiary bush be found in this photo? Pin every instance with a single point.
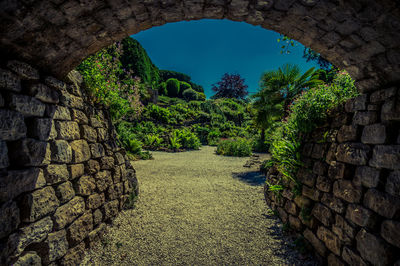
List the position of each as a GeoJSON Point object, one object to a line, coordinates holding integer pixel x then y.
{"type": "Point", "coordinates": [173, 87]}
{"type": "Point", "coordinates": [190, 95]}
{"type": "Point", "coordinates": [184, 86]}
{"type": "Point", "coordinates": [162, 88]}
{"type": "Point", "coordinates": [201, 96]}
{"type": "Point", "coordinates": [234, 147]}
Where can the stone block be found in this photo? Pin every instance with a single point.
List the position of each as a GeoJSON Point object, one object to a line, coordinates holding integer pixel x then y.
{"type": "Point", "coordinates": [110, 209]}
{"type": "Point", "coordinates": [29, 152]}
{"type": "Point", "coordinates": [97, 217]}
{"type": "Point", "coordinates": [315, 242]}
{"type": "Point", "coordinates": [94, 201]}
{"type": "Point", "coordinates": [382, 203]}
{"type": "Point", "coordinates": [76, 170]}
{"type": "Point", "coordinates": [331, 240]}
{"type": "Point", "coordinates": [119, 158]}
{"type": "Point", "coordinates": [65, 192]}
{"type": "Point", "coordinates": [26, 105]}
{"type": "Point", "coordinates": [97, 234]}
{"type": "Point", "coordinates": [390, 110]}
{"type": "Point", "coordinates": [365, 118]}
{"type": "Point", "coordinates": [374, 134]}
{"type": "Point", "coordinates": [61, 151]}
{"type": "Point", "coordinates": [74, 255]}
{"type": "Point", "coordinates": [92, 166]}
{"type": "Point", "coordinates": [323, 214]}
{"type": "Point", "coordinates": [318, 151]}
{"type": "Point", "coordinates": [393, 183]}
{"type": "Point", "coordinates": [336, 170]}
{"type": "Point", "coordinates": [373, 249]}
{"type": "Point", "coordinates": [68, 212]}
{"type": "Point", "coordinates": [9, 218]}
{"type": "Point", "coordinates": [390, 231]}
{"type": "Point", "coordinates": [306, 177]}
{"type": "Point", "coordinates": [358, 103]}
{"type": "Point", "coordinates": [106, 163]}
{"type": "Point", "coordinates": [102, 134]}
{"type": "Point", "coordinates": [88, 133]}
{"type": "Point", "coordinates": [16, 182]}
{"type": "Point", "coordinates": [4, 161]}
{"type": "Point", "coordinates": [367, 176]}
{"type": "Point", "coordinates": [335, 261]}
{"type": "Point", "coordinates": [9, 81]}
{"type": "Point", "coordinates": [382, 95]}
{"type": "Point", "coordinates": [24, 70]}
{"type": "Point", "coordinates": [347, 133]}
{"type": "Point", "coordinates": [79, 116]}
{"type": "Point", "coordinates": [68, 130]}
{"type": "Point", "coordinates": [12, 125]}
{"type": "Point", "coordinates": [324, 184]}
{"type": "Point", "coordinates": [56, 173]}
{"type": "Point", "coordinates": [353, 153]}
{"type": "Point", "coordinates": [333, 203]}
{"type": "Point", "coordinates": [41, 128]}
{"type": "Point", "coordinates": [85, 186]}
{"type": "Point", "coordinates": [352, 257]}
{"type": "Point", "coordinates": [295, 223]}
{"type": "Point", "coordinates": [343, 230]}
{"type": "Point", "coordinates": [30, 234]}
{"type": "Point", "coordinates": [386, 156]}
{"type": "Point", "coordinates": [311, 193]}
{"type": "Point", "coordinates": [71, 101]}
{"type": "Point", "coordinates": [290, 207]}
{"type": "Point", "coordinates": [55, 83]}
{"type": "Point", "coordinates": [59, 113]}
{"type": "Point", "coordinates": [55, 246]}
{"type": "Point", "coordinates": [361, 216]}
{"type": "Point", "coordinates": [80, 151]}
{"type": "Point", "coordinates": [116, 174]}
{"type": "Point", "coordinates": [44, 93]}
{"type": "Point", "coordinates": [346, 190]}
{"type": "Point", "coordinates": [286, 193]}
{"type": "Point", "coordinates": [302, 202]}
{"type": "Point", "coordinates": [103, 180]}
{"type": "Point", "coordinates": [80, 229]}
{"type": "Point", "coordinates": [320, 168]}
{"type": "Point", "coordinates": [29, 258]}
{"type": "Point", "coordinates": [97, 150]}
{"type": "Point", "coordinates": [38, 204]}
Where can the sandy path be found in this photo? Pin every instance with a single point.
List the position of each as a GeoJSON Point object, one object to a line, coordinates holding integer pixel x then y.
{"type": "Point", "coordinates": [195, 208]}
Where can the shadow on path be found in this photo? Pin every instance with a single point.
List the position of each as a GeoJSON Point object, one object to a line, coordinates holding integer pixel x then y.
{"type": "Point", "coordinates": [253, 178]}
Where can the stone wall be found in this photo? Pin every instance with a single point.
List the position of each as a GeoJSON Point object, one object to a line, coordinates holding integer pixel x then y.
{"type": "Point", "coordinates": [62, 175]}
{"type": "Point", "coordinates": [348, 207]}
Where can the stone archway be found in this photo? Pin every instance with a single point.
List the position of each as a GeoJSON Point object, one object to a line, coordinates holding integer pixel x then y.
{"type": "Point", "coordinates": [362, 37]}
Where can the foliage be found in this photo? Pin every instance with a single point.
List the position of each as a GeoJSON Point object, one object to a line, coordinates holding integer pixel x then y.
{"type": "Point", "coordinates": [173, 87]}
{"type": "Point", "coordinates": [162, 88]}
{"type": "Point", "coordinates": [234, 147]}
{"type": "Point", "coordinates": [152, 141]}
{"type": "Point", "coordinates": [184, 86]}
{"type": "Point", "coordinates": [286, 43]}
{"type": "Point", "coordinates": [201, 96]}
{"type": "Point", "coordinates": [311, 55]}
{"type": "Point", "coordinates": [167, 74]}
{"type": "Point", "coordinates": [230, 86]}
{"type": "Point", "coordinates": [187, 139]}
{"type": "Point", "coordinates": [190, 94]}
{"type": "Point", "coordinates": [158, 113]}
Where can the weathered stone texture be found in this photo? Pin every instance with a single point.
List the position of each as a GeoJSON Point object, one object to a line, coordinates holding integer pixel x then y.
{"type": "Point", "coordinates": [361, 216]}
{"type": "Point", "coordinates": [80, 151]}
{"type": "Point", "coordinates": [381, 203]}
{"type": "Point", "coordinates": [9, 81]}
{"type": "Point", "coordinates": [385, 156]}
{"type": "Point", "coordinates": [374, 134]}
{"type": "Point", "coordinates": [61, 151]}
{"type": "Point", "coordinates": [393, 183]}
{"type": "Point", "coordinates": [346, 190]}
{"type": "Point", "coordinates": [390, 231]}
{"type": "Point", "coordinates": [331, 241]}
{"type": "Point", "coordinates": [323, 214]}
{"type": "Point", "coordinates": [12, 125]}
{"type": "Point", "coordinates": [353, 153]}
{"type": "Point", "coordinates": [68, 212]}
{"type": "Point", "coordinates": [373, 249]}
{"type": "Point", "coordinates": [65, 192]}
{"type": "Point", "coordinates": [4, 162]}
{"type": "Point", "coordinates": [9, 218]}
{"type": "Point", "coordinates": [56, 173]}
{"type": "Point", "coordinates": [23, 70]}
{"type": "Point", "coordinates": [44, 93]}
{"type": "Point", "coordinates": [29, 152]}
{"type": "Point", "coordinates": [80, 228]}
{"type": "Point", "coordinates": [26, 105]}
{"type": "Point", "coordinates": [42, 129]}
{"type": "Point", "coordinates": [68, 130]}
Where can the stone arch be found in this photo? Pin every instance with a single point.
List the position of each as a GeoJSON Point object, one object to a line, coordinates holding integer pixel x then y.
{"type": "Point", "coordinates": [362, 37]}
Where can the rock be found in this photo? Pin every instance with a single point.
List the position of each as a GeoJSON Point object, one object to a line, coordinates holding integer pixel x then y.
{"type": "Point", "coordinates": [368, 176]}
{"type": "Point", "coordinates": [4, 162]}
{"type": "Point", "coordinates": [38, 204]}
{"type": "Point", "coordinates": [60, 113]}
{"type": "Point", "coordinates": [382, 95]}
{"type": "Point", "coordinates": [373, 248]}
{"type": "Point", "coordinates": [68, 130]}
{"type": "Point", "coordinates": [393, 183]}
{"type": "Point", "coordinates": [381, 203]}
{"type": "Point", "coordinates": [116, 174]}
{"type": "Point", "coordinates": [26, 105]}
{"type": "Point", "coordinates": [80, 228]}
{"type": "Point", "coordinates": [323, 214]}
{"type": "Point", "coordinates": [315, 242]}
{"type": "Point", "coordinates": [324, 184]}
{"type": "Point", "coordinates": [331, 241]}
{"type": "Point", "coordinates": [110, 209]}
{"type": "Point", "coordinates": [97, 217]}
{"type": "Point", "coordinates": [390, 231]}
{"type": "Point", "coordinates": [336, 170]}
{"type": "Point", "coordinates": [29, 258]}
{"type": "Point", "coordinates": [386, 156]}
{"type": "Point", "coordinates": [94, 201]}
{"type": "Point", "coordinates": [119, 158]}
{"type": "Point", "coordinates": [358, 103]}
{"type": "Point", "coordinates": [68, 212]}
{"type": "Point", "coordinates": [353, 153]}
{"type": "Point", "coordinates": [343, 230]}
{"type": "Point", "coordinates": [75, 78]}
{"type": "Point", "coordinates": [333, 203]}
{"type": "Point", "coordinates": [390, 110]}
{"type": "Point", "coordinates": [335, 261]}
{"type": "Point", "coordinates": [352, 258]}
{"type": "Point", "coordinates": [41, 128]}
{"type": "Point", "coordinates": [16, 182]}
{"type": "Point", "coordinates": [291, 208]}
{"type": "Point", "coordinates": [347, 133]}
{"type": "Point", "coordinates": [12, 125]}
{"type": "Point", "coordinates": [365, 118]}
{"type": "Point", "coordinates": [55, 246]}
{"type": "Point", "coordinates": [24, 70]}
{"type": "Point", "coordinates": [56, 173]}
{"type": "Point", "coordinates": [72, 101]}
{"type": "Point", "coordinates": [9, 218]}
{"type": "Point", "coordinates": [107, 163]}
{"type": "Point", "coordinates": [318, 151]}
{"type": "Point", "coordinates": [320, 168]}
{"type": "Point", "coordinates": [29, 152]}
{"type": "Point", "coordinates": [85, 186]}
{"type": "Point", "coordinates": [74, 255]}
{"type": "Point", "coordinates": [76, 170]}
{"type": "Point", "coordinates": [33, 233]}
{"type": "Point", "coordinates": [374, 134]}
{"type": "Point", "coordinates": [295, 223]}
{"type": "Point", "coordinates": [92, 166]}
{"type": "Point", "coordinates": [80, 151]}
{"type": "Point", "coordinates": [55, 83]}
{"type": "Point", "coordinates": [306, 177]}
{"type": "Point", "coordinates": [43, 93]}
{"type": "Point", "coordinates": [103, 180]}
{"type": "Point", "coordinates": [361, 216]}
{"type": "Point", "coordinates": [102, 134]}
{"type": "Point", "coordinates": [97, 150]}
{"type": "Point", "coordinates": [88, 133]}
{"type": "Point", "coordinates": [9, 81]}
{"type": "Point", "coordinates": [79, 116]}
{"type": "Point", "coordinates": [65, 192]}
{"type": "Point", "coordinates": [302, 202]}
{"type": "Point", "coordinates": [97, 234]}
{"type": "Point", "coordinates": [345, 189]}
{"type": "Point", "coordinates": [61, 151]}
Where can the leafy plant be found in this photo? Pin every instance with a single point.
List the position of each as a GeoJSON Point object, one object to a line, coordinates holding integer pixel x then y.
{"type": "Point", "coordinates": [234, 147]}
{"type": "Point", "coordinates": [173, 87]}
{"type": "Point", "coordinates": [190, 94]}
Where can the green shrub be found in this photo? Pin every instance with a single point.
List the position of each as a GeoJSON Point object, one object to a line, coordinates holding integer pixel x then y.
{"type": "Point", "coordinates": [234, 147]}
{"type": "Point", "coordinates": [173, 87]}
{"type": "Point", "coordinates": [201, 96]}
{"type": "Point", "coordinates": [162, 88]}
{"type": "Point", "coordinates": [134, 146]}
{"type": "Point", "coordinates": [152, 141]}
{"type": "Point", "coordinates": [187, 139]}
{"type": "Point", "coordinates": [190, 95]}
{"type": "Point", "coordinates": [158, 113]}
{"type": "Point", "coordinates": [184, 86]}
{"type": "Point", "coordinates": [174, 142]}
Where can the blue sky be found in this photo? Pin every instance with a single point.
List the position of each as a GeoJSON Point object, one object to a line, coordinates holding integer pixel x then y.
{"type": "Point", "coordinates": [206, 49]}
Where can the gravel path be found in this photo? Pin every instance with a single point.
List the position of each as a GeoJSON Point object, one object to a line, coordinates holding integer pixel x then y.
{"type": "Point", "coordinates": [196, 208]}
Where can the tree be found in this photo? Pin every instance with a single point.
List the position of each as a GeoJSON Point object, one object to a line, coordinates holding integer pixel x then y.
{"type": "Point", "coordinates": [230, 86]}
